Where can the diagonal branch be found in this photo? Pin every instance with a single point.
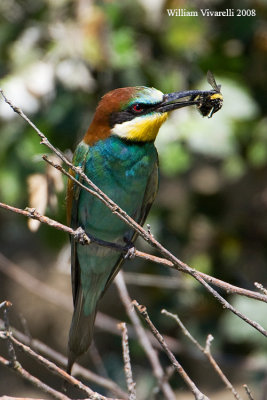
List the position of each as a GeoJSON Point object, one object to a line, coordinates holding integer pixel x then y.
{"type": "Point", "coordinates": [188, 381]}
{"type": "Point", "coordinates": [16, 366]}
{"type": "Point", "coordinates": [48, 352]}
{"type": "Point", "coordinates": [144, 339]}
{"type": "Point", "coordinates": [35, 381]}
{"type": "Point", "coordinates": [205, 350]}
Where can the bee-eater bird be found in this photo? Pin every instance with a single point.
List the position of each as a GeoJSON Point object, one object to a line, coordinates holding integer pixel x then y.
{"type": "Point", "coordinates": [118, 154]}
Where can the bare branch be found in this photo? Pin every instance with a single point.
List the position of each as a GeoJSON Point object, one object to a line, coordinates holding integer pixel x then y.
{"type": "Point", "coordinates": [261, 288]}
{"type": "Point", "coordinates": [205, 350]}
{"type": "Point", "coordinates": [188, 381]}
{"type": "Point", "coordinates": [62, 360]}
{"type": "Point", "coordinates": [83, 238]}
{"type": "Point", "coordinates": [32, 213]}
{"type": "Point", "coordinates": [250, 397]}
{"type": "Point", "coordinates": [33, 380]}
{"type": "Point", "coordinates": [60, 299]}
{"type": "Point", "coordinates": [127, 363]}
{"type": "Point", "coordinates": [216, 367]}
{"type": "Point", "coordinates": [214, 281]}
{"type": "Point", "coordinates": [52, 367]}
{"type": "Point", "coordinates": [143, 338]}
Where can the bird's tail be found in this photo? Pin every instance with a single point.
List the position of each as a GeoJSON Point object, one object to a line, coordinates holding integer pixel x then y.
{"type": "Point", "coordinates": [81, 331]}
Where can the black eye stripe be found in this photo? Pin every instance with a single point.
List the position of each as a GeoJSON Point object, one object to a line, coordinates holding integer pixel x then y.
{"type": "Point", "coordinates": [129, 113]}
{"type": "Point", "coordinates": [144, 107]}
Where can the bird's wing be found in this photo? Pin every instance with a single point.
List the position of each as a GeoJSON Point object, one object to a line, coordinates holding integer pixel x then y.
{"type": "Point", "coordinates": [73, 193]}
{"type": "Point", "coordinates": [139, 216]}
{"type": "Point", "coordinates": [81, 330]}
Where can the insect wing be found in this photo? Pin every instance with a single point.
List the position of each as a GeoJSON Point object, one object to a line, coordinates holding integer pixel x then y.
{"type": "Point", "coordinates": [212, 82]}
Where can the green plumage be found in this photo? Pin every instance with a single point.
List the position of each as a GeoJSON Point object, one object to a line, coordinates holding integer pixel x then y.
{"type": "Point", "coordinates": [128, 173]}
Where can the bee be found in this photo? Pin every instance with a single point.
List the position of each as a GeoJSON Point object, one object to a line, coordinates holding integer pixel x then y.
{"type": "Point", "coordinates": [209, 102]}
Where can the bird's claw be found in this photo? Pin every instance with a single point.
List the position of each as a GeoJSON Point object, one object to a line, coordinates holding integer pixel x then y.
{"type": "Point", "coordinates": [130, 254]}
{"type": "Point", "coordinates": [80, 236]}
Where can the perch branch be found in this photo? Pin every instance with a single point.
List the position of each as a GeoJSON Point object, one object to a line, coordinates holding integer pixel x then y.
{"type": "Point", "coordinates": [83, 238]}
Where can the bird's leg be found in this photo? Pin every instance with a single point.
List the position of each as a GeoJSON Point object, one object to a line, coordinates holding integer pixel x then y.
{"type": "Point", "coordinates": [130, 247]}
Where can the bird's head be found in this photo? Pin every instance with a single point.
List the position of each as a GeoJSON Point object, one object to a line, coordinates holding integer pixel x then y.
{"type": "Point", "coordinates": [133, 113]}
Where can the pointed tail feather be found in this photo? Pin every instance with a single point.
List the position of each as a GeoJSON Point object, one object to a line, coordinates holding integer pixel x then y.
{"type": "Point", "coordinates": [81, 331]}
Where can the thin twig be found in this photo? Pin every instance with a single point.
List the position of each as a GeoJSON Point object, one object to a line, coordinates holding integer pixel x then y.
{"type": "Point", "coordinates": [188, 381]}
{"type": "Point", "coordinates": [216, 367]}
{"type": "Point", "coordinates": [184, 330]}
{"type": "Point", "coordinates": [261, 288]}
{"type": "Point", "coordinates": [33, 380]}
{"type": "Point", "coordinates": [205, 350]}
{"type": "Point", "coordinates": [127, 363]}
{"type": "Point", "coordinates": [248, 392]}
{"type": "Point", "coordinates": [34, 214]}
{"type": "Point", "coordinates": [143, 338]}
{"type": "Point", "coordinates": [214, 281]}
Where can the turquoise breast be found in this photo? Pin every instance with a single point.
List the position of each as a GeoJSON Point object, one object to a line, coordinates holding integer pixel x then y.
{"type": "Point", "coordinates": [121, 170]}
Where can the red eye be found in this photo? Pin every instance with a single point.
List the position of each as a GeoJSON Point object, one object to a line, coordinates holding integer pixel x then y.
{"type": "Point", "coordinates": [137, 108]}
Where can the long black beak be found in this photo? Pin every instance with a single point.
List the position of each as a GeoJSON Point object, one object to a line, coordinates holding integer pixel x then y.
{"type": "Point", "coordinates": [208, 102]}
{"type": "Point", "coordinates": [172, 101]}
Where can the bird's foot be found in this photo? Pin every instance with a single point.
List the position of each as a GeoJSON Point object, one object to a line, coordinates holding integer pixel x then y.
{"type": "Point", "coordinates": [80, 236]}
{"type": "Point", "coordinates": [130, 251]}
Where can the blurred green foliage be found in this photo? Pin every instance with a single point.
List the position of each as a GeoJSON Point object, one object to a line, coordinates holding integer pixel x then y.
{"type": "Point", "coordinates": [58, 58]}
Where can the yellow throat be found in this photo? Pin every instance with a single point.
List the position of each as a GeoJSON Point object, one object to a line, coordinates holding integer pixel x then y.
{"type": "Point", "coordinates": [141, 129]}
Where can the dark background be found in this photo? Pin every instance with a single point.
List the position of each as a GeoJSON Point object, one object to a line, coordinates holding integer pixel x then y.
{"type": "Point", "coordinates": [56, 60]}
